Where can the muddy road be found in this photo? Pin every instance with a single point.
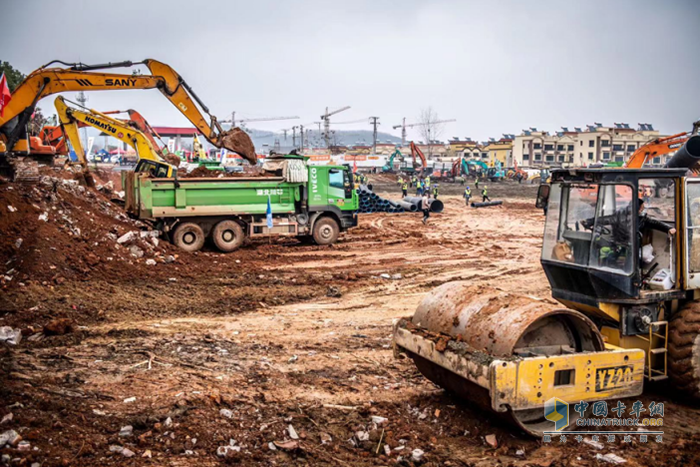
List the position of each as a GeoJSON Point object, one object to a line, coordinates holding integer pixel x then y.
{"type": "Point", "coordinates": [277, 354]}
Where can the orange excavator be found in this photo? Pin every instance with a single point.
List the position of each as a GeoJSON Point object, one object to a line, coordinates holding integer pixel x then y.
{"type": "Point", "coordinates": [50, 79]}
{"type": "Point", "coordinates": [660, 147]}
{"type": "Point", "coordinates": [415, 150]}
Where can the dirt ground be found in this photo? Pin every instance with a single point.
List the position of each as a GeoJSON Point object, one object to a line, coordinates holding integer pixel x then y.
{"type": "Point", "coordinates": [281, 351]}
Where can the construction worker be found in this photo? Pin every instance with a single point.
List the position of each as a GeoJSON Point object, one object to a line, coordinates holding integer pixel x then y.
{"type": "Point", "coordinates": [400, 181]}
{"type": "Point", "coordinates": [476, 183]}
{"type": "Point", "coordinates": [485, 195]}
{"type": "Point", "coordinates": [404, 188]}
{"type": "Point", "coordinates": [467, 194]}
{"type": "Point", "coordinates": [419, 187]}
{"type": "Point", "coordinates": [436, 190]}
{"type": "Point", "coordinates": [413, 181]}
{"type": "Point", "coordinates": [425, 207]}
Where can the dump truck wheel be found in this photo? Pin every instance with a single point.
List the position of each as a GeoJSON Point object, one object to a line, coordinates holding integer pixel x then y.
{"type": "Point", "coordinates": [326, 231]}
{"type": "Point", "coordinates": [684, 349]}
{"type": "Point", "coordinates": [228, 235]}
{"type": "Point", "coordinates": [189, 236]}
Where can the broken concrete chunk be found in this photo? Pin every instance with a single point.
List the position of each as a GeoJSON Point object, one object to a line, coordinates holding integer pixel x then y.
{"type": "Point", "coordinates": [226, 413]}
{"type": "Point", "coordinates": [379, 420]}
{"type": "Point", "coordinates": [227, 451]}
{"type": "Point", "coordinates": [610, 458]}
{"type": "Point", "coordinates": [44, 217]}
{"type": "Point", "coordinates": [136, 251]}
{"type": "Point", "coordinates": [151, 262]}
{"type": "Point", "coordinates": [10, 336]}
{"type": "Point", "coordinates": [292, 432]}
{"type": "Point", "coordinates": [10, 437]}
{"type": "Point", "coordinates": [127, 237]}
{"type": "Point", "coordinates": [362, 436]}
{"type": "Point", "coordinates": [127, 430]}
{"type": "Point", "coordinates": [594, 444]}
{"type": "Point", "coordinates": [417, 455]}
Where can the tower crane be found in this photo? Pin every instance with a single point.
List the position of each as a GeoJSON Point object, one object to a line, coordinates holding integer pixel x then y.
{"type": "Point", "coordinates": [404, 125]}
{"type": "Point", "coordinates": [234, 121]}
{"type": "Point", "coordinates": [327, 123]}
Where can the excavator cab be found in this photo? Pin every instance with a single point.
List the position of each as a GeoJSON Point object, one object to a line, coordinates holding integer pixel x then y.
{"type": "Point", "coordinates": [155, 169]}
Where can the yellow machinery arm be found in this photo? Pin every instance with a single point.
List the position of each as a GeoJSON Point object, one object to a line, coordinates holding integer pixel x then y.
{"type": "Point", "coordinates": [149, 159]}
{"type": "Point", "coordinates": [79, 77]}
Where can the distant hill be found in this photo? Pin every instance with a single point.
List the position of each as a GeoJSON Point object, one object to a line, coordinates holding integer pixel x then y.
{"type": "Point", "coordinates": [265, 140]}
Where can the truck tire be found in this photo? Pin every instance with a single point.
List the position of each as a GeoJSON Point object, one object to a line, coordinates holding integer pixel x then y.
{"type": "Point", "coordinates": [326, 231]}
{"type": "Point", "coordinates": [684, 349]}
{"type": "Point", "coordinates": [228, 235]}
{"type": "Point", "coordinates": [189, 236]}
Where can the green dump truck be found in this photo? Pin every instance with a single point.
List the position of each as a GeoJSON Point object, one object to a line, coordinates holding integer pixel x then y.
{"type": "Point", "coordinates": [311, 202]}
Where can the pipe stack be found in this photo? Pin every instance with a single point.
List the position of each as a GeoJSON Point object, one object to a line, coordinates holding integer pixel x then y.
{"type": "Point", "coordinates": [371, 202]}
{"type": "Point", "coordinates": [435, 204]}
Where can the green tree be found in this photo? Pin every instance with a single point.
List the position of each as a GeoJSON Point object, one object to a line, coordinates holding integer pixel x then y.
{"type": "Point", "coordinates": [14, 76]}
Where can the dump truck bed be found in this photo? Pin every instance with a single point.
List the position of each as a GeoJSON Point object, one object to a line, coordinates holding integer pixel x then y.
{"type": "Point", "coordinates": [153, 198]}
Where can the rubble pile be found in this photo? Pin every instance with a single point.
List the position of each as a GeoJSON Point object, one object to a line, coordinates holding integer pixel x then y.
{"type": "Point", "coordinates": [58, 229]}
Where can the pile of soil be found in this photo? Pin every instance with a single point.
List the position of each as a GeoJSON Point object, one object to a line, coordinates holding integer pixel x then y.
{"type": "Point", "coordinates": [238, 141]}
{"type": "Point", "coordinates": [204, 172]}
{"type": "Point", "coordinates": [58, 229]}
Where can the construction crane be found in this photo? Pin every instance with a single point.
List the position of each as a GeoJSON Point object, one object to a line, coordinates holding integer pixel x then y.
{"type": "Point", "coordinates": [327, 123]}
{"type": "Point", "coordinates": [404, 125]}
{"type": "Point", "coordinates": [234, 121]}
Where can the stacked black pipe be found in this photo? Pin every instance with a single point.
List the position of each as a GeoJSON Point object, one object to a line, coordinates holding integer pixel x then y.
{"type": "Point", "coordinates": [435, 204]}
{"type": "Point", "coordinates": [371, 202]}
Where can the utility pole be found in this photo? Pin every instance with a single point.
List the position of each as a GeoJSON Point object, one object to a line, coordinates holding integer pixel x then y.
{"type": "Point", "coordinates": [294, 136]}
{"type": "Point", "coordinates": [285, 134]}
{"type": "Point", "coordinates": [301, 136]}
{"type": "Point", "coordinates": [82, 98]}
{"type": "Point", "coordinates": [233, 119]}
{"type": "Point", "coordinates": [375, 122]}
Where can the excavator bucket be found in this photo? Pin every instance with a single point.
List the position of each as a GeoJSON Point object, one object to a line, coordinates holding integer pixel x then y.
{"type": "Point", "coordinates": [238, 141]}
{"type": "Point", "coordinates": [513, 354]}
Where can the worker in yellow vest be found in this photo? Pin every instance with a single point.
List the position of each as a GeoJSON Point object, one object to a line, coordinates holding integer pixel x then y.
{"type": "Point", "coordinates": [467, 194]}
{"type": "Point", "coordinates": [436, 191]}
{"type": "Point", "coordinates": [485, 195]}
{"type": "Point", "coordinates": [404, 188]}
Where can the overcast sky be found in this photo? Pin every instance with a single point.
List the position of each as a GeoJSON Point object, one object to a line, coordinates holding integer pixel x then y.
{"type": "Point", "coordinates": [495, 66]}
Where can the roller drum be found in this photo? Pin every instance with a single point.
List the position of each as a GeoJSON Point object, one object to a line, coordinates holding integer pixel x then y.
{"type": "Point", "coordinates": [501, 325]}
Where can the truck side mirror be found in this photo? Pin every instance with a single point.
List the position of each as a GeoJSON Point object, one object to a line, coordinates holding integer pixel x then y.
{"type": "Point", "coordinates": [542, 196]}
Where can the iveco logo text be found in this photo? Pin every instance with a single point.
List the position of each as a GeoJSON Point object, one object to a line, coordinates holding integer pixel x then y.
{"type": "Point", "coordinates": [314, 181]}
{"type": "Point", "coordinates": [99, 124]}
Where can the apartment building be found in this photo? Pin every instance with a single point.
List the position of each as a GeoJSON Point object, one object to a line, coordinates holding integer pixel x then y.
{"type": "Point", "coordinates": [597, 144]}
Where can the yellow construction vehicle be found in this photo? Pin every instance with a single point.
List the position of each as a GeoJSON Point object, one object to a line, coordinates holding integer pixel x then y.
{"type": "Point", "coordinates": [621, 252]}
{"type": "Point", "coordinates": [48, 80]}
{"type": "Point", "coordinates": [149, 160]}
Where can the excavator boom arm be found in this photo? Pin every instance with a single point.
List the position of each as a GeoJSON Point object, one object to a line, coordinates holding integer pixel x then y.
{"type": "Point", "coordinates": [46, 81]}
{"type": "Point", "coordinates": [71, 118]}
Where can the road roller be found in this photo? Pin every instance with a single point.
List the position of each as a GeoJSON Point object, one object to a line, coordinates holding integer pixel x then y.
{"type": "Point", "coordinates": [621, 252]}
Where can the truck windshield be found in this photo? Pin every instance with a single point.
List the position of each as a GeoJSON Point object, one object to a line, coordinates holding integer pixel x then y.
{"type": "Point", "coordinates": [590, 225]}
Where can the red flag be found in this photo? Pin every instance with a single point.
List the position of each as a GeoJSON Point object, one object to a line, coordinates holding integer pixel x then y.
{"type": "Point", "coordinates": [5, 95]}
{"type": "Point", "coordinates": [354, 166]}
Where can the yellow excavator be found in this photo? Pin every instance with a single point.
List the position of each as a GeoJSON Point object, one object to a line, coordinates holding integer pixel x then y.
{"type": "Point", "coordinates": [621, 252]}
{"type": "Point", "coordinates": [51, 79]}
{"type": "Point", "coordinates": [149, 160]}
